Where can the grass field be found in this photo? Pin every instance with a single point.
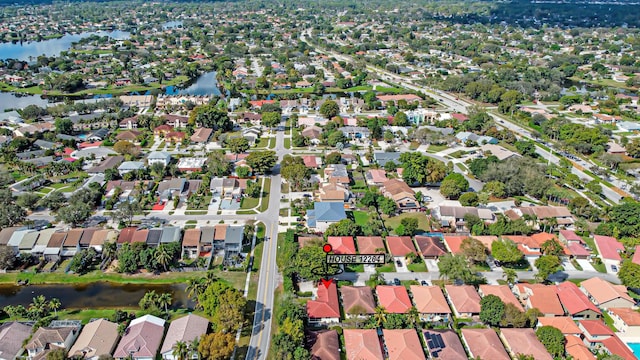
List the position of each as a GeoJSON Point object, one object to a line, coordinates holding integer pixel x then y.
{"type": "Point", "coordinates": [95, 276]}
{"type": "Point", "coordinates": [361, 218]}
{"type": "Point", "coordinates": [394, 222]}
{"type": "Point", "coordinates": [419, 267]}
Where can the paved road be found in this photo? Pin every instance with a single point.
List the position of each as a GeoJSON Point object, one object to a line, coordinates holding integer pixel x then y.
{"type": "Point", "coordinates": [268, 281]}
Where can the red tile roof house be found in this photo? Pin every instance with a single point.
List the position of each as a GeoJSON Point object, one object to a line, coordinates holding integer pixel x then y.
{"type": "Point", "coordinates": [185, 329]}
{"type": "Point", "coordinates": [376, 177]}
{"type": "Point", "coordinates": [609, 249]}
{"type": "Point", "coordinates": [501, 291]}
{"type": "Point", "coordinates": [626, 320]}
{"type": "Point", "coordinates": [430, 303]}
{"type": "Point", "coordinates": [394, 299]}
{"type": "Point", "coordinates": [568, 236]}
{"type": "Point", "coordinates": [541, 297]}
{"type": "Point", "coordinates": [453, 242]}
{"type": "Point", "coordinates": [606, 295]}
{"type": "Point", "coordinates": [325, 309]}
{"type": "Point", "coordinates": [636, 256]}
{"type": "Point", "coordinates": [403, 344]}
{"type": "Point", "coordinates": [342, 244]}
{"type": "Point", "coordinates": [565, 324]}
{"type": "Point", "coordinates": [484, 344]}
{"type": "Point", "coordinates": [448, 345]}
{"type": "Point", "coordinates": [357, 301]}
{"type": "Point", "coordinates": [576, 303]}
{"type": "Point", "coordinates": [362, 344]}
{"type": "Point", "coordinates": [370, 245]}
{"type": "Point", "coordinates": [141, 339]}
{"type": "Point", "coordinates": [464, 300]}
{"type": "Point", "coordinates": [578, 251]}
{"type": "Point", "coordinates": [324, 345]}
{"type": "Point", "coordinates": [594, 332]}
{"type": "Point", "coordinates": [524, 341]}
{"type": "Point", "coordinates": [577, 349]}
{"type": "Point", "coordinates": [430, 247]}
{"type": "Point", "coordinates": [400, 246]}
{"type": "Point", "coordinates": [312, 161]}
{"type": "Point", "coordinates": [615, 346]}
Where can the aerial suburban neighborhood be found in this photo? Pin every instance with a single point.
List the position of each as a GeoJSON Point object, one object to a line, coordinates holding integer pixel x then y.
{"type": "Point", "coordinates": [323, 180]}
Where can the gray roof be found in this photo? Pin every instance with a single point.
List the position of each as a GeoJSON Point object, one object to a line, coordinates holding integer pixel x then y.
{"type": "Point", "coordinates": [108, 163]}
{"type": "Point", "coordinates": [28, 241]}
{"type": "Point", "coordinates": [170, 234]}
{"type": "Point", "coordinates": [131, 165]}
{"type": "Point", "coordinates": [17, 237]}
{"type": "Point", "coordinates": [6, 233]}
{"type": "Point", "coordinates": [206, 234]}
{"type": "Point", "coordinates": [40, 161]}
{"type": "Point", "coordinates": [43, 144]}
{"type": "Point", "coordinates": [216, 184]}
{"type": "Point", "coordinates": [339, 170]}
{"type": "Point", "coordinates": [100, 133]}
{"type": "Point", "coordinates": [12, 335]}
{"type": "Point", "coordinates": [384, 157]}
{"type": "Point", "coordinates": [184, 329]}
{"type": "Point", "coordinates": [234, 235]}
{"type": "Point", "coordinates": [154, 237]}
{"type": "Point", "coordinates": [30, 154]}
{"type": "Point", "coordinates": [159, 155]}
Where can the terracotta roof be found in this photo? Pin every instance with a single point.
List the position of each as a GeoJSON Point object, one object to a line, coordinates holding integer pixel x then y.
{"type": "Point", "coordinates": [452, 349]}
{"type": "Point", "coordinates": [565, 324]}
{"type": "Point", "coordinates": [627, 315]}
{"type": "Point", "coordinates": [395, 299]}
{"type": "Point", "coordinates": [487, 240]}
{"type": "Point", "coordinates": [400, 245]}
{"type": "Point", "coordinates": [185, 329]}
{"type": "Point", "coordinates": [396, 187]}
{"type": "Point", "coordinates": [87, 234]}
{"type": "Point", "coordinates": [140, 236]}
{"type": "Point", "coordinates": [324, 345]}
{"type": "Point", "coordinates": [429, 300]}
{"type": "Point", "coordinates": [595, 327]}
{"type": "Point", "coordinates": [221, 232]}
{"type": "Point", "coordinates": [310, 161]}
{"type": "Point", "coordinates": [326, 304]}
{"type": "Point", "coordinates": [358, 298]}
{"type": "Point", "coordinates": [403, 344]}
{"type": "Point", "coordinates": [57, 239]}
{"type": "Point", "coordinates": [546, 300]}
{"type": "Point", "coordinates": [201, 134]}
{"type": "Point", "coordinates": [608, 247]}
{"type": "Point", "coordinates": [602, 291]}
{"type": "Point", "coordinates": [342, 244]}
{"type": "Point", "coordinates": [362, 344]}
{"type": "Point", "coordinates": [484, 344]}
{"type": "Point", "coordinates": [577, 249]}
{"type": "Point", "coordinates": [617, 347]}
{"type": "Point", "coordinates": [430, 246]}
{"type": "Point", "coordinates": [73, 237]}
{"type": "Point", "coordinates": [573, 300]}
{"type": "Point", "coordinates": [464, 298]}
{"type": "Point", "coordinates": [126, 235]}
{"type": "Point", "coordinates": [369, 244]}
{"type": "Point", "coordinates": [636, 255]}
{"type": "Point", "coordinates": [525, 341]}
{"type": "Point", "coordinates": [569, 235]}
{"type": "Point", "coordinates": [576, 348]}
{"type": "Point", "coordinates": [501, 291]}
{"type": "Point", "coordinates": [191, 238]}
{"type": "Point", "coordinates": [453, 242]}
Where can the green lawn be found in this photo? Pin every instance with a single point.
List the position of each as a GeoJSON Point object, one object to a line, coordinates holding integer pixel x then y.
{"type": "Point", "coordinates": [287, 143]}
{"type": "Point", "coordinates": [436, 148]}
{"type": "Point", "coordinates": [97, 275]}
{"type": "Point", "coordinates": [390, 267]}
{"type": "Point", "coordinates": [361, 218]}
{"type": "Point", "coordinates": [354, 268]}
{"type": "Point", "coordinates": [272, 143]}
{"type": "Point", "coordinates": [249, 203]}
{"type": "Point", "coordinates": [263, 143]}
{"type": "Point", "coordinates": [265, 195]}
{"type": "Point", "coordinates": [609, 321]}
{"type": "Point", "coordinates": [394, 221]}
{"type": "Point", "coordinates": [417, 267]}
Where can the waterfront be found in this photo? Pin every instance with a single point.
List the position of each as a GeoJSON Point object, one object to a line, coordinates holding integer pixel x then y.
{"type": "Point", "coordinates": [205, 84]}
{"type": "Point", "coordinates": [13, 101]}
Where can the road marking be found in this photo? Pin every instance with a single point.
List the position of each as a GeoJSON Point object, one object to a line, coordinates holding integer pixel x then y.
{"type": "Point", "coordinates": [264, 297]}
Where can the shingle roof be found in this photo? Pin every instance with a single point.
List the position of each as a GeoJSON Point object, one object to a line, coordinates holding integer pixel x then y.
{"type": "Point", "coordinates": [12, 336]}
{"type": "Point", "coordinates": [142, 338]}
{"type": "Point", "coordinates": [44, 336]}
{"type": "Point", "coordinates": [430, 246]}
{"type": "Point", "coordinates": [329, 211]}
{"type": "Point", "coordinates": [98, 337]}
{"type": "Point", "coordinates": [324, 345]}
{"type": "Point", "coordinates": [525, 341]}
{"type": "Point", "coordinates": [191, 237]}
{"type": "Point", "coordinates": [484, 344]}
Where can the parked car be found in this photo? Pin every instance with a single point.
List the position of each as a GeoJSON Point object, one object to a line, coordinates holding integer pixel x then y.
{"type": "Point", "coordinates": [614, 268]}
{"type": "Point", "coordinates": [396, 282]}
{"type": "Point", "coordinates": [424, 283]}
{"type": "Point", "coordinates": [398, 263]}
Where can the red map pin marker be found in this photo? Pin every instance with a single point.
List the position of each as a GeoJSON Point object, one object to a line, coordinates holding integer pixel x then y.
{"type": "Point", "coordinates": [327, 248]}
{"type": "Point", "coordinates": [326, 282]}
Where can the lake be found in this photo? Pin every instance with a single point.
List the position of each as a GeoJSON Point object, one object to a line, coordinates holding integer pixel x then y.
{"type": "Point", "coordinates": [205, 84]}
{"type": "Point", "coordinates": [172, 24]}
{"type": "Point", "coordinates": [51, 47]}
{"type": "Point", "coordinates": [13, 101]}
{"type": "Point", "coordinates": [93, 295]}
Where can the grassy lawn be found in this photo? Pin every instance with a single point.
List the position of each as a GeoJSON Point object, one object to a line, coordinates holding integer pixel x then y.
{"type": "Point", "coordinates": [436, 148]}
{"type": "Point", "coordinates": [249, 203]}
{"type": "Point", "coordinates": [204, 204]}
{"type": "Point", "coordinates": [272, 143]}
{"type": "Point", "coordinates": [265, 195]}
{"type": "Point", "coordinates": [609, 321]}
{"type": "Point", "coordinates": [245, 212]}
{"type": "Point", "coordinates": [354, 268]}
{"type": "Point", "coordinates": [394, 221]}
{"type": "Point", "coordinates": [390, 267]}
{"type": "Point", "coordinates": [87, 314]}
{"type": "Point", "coordinates": [360, 217]}
{"type": "Point", "coordinates": [417, 267]}
{"type": "Point", "coordinates": [591, 243]}
{"type": "Point", "coordinates": [97, 275]}
{"type": "Point", "coordinates": [414, 145]}
{"type": "Point", "coordinates": [264, 141]}
{"type": "Point", "coordinates": [287, 143]}
{"type": "Point", "coordinates": [599, 267]}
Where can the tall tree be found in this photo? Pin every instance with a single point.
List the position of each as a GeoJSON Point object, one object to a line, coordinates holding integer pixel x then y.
{"type": "Point", "coordinates": [474, 250]}
{"type": "Point", "coordinates": [217, 346]}
{"type": "Point", "coordinates": [262, 161]}
{"type": "Point", "coordinates": [491, 310]}
{"type": "Point", "coordinates": [552, 339]}
{"type": "Point", "coordinates": [329, 109]}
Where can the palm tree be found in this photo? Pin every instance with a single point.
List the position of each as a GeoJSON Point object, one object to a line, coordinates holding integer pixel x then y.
{"type": "Point", "coordinates": [195, 287]}
{"type": "Point", "coordinates": [380, 316]}
{"type": "Point", "coordinates": [413, 317]}
{"type": "Point", "coordinates": [109, 250]}
{"type": "Point", "coordinates": [510, 275]}
{"type": "Point", "coordinates": [162, 256]}
{"type": "Point", "coordinates": [180, 350]}
{"type": "Point", "coordinates": [54, 304]}
{"type": "Point", "coordinates": [164, 300]}
{"type": "Point", "coordinates": [193, 348]}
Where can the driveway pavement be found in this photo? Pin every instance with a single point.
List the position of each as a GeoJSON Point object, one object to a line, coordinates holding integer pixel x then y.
{"type": "Point", "coordinates": [403, 261]}
{"type": "Point", "coordinates": [432, 265]}
{"type": "Point", "coordinates": [586, 265]}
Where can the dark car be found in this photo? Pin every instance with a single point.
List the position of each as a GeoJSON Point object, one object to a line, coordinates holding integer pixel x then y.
{"type": "Point", "coordinates": [424, 283]}
{"type": "Point", "coordinates": [399, 263]}
{"type": "Point", "coordinates": [396, 282]}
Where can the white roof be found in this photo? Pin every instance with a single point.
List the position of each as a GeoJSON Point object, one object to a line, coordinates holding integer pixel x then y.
{"type": "Point", "coordinates": [148, 318]}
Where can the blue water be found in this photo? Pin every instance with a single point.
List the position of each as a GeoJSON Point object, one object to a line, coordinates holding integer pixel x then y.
{"type": "Point", "coordinates": [207, 84]}
{"type": "Point", "coordinates": [82, 136]}
{"type": "Point", "coordinates": [51, 47]}
{"type": "Point", "coordinates": [635, 347]}
{"type": "Point", "coordinates": [11, 101]}
{"type": "Point", "coordinates": [172, 24]}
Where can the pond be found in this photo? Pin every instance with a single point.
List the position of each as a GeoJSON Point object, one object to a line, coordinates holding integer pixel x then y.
{"type": "Point", "coordinates": [29, 51]}
{"type": "Point", "coordinates": [13, 101]}
{"type": "Point", "coordinates": [206, 84]}
{"type": "Point", "coordinates": [94, 295]}
{"type": "Point", "coordinates": [172, 24]}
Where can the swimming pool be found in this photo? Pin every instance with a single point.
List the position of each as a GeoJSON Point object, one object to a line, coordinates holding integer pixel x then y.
{"type": "Point", "coordinates": [635, 347]}
{"type": "Point", "coordinates": [82, 136]}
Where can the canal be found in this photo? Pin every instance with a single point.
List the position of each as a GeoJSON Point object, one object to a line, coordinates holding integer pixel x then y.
{"type": "Point", "coordinates": [94, 295]}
